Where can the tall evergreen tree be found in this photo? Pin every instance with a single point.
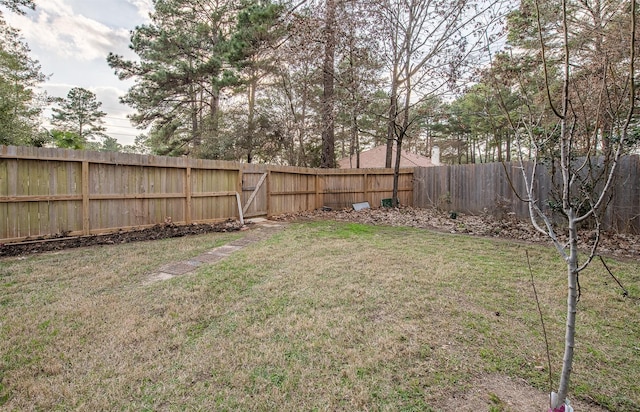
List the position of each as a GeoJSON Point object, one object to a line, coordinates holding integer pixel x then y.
{"type": "Point", "coordinates": [170, 75]}
{"type": "Point", "coordinates": [190, 55]}
{"type": "Point", "coordinates": [80, 114]}
{"type": "Point", "coordinates": [251, 52]}
{"type": "Point", "coordinates": [180, 73]}
{"type": "Point", "coordinates": [20, 105]}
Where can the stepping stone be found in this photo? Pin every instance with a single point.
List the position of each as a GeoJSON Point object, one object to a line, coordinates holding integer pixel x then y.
{"type": "Point", "coordinates": [271, 225]}
{"type": "Point", "coordinates": [208, 258]}
{"type": "Point", "coordinates": [243, 242]}
{"type": "Point", "coordinates": [157, 277]}
{"type": "Point", "coordinates": [179, 268]}
{"type": "Point", "coordinates": [225, 250]}
{"type": "Point", "coordinates": [194, 262]}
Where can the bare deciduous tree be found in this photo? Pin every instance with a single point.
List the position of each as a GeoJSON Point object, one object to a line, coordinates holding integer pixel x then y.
{"type": "Point", "coordinates": [585, 180]}
{"type": "Point", "coordinates": [427, 44]}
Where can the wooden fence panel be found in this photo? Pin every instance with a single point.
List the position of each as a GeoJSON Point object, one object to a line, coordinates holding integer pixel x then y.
{"type": "Point", "coordinates": [623, 213]}
{"type": "Point", "coordinates": [127, 196]}
{"type": "Point", "coordinates": [405, 189]}
{"type": "Point", "coordinates": [39, 197]}
{"type": "Point", "coordinates": [291, 192]}
{"type": "Point", "coordinates": [48, 192]}
{"type": "Point", "coordinates": [342, 190]}
{"type": "Point", "coordinates": [214, 194]}
{"type": "Point", "coordinates": [495, 188]}
{"type": "Point", "coordinates": [431, 187]}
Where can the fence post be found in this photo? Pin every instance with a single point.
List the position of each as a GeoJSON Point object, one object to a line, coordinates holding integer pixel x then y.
{"type": "Point", "coordinates": [318, 202]}
{"type": "Point", "coordinates": [239, 186]}
{"type": "Point", "coordinates": [268, 192]}
{"type": "Point", "coordinates": [187, 188]}
{"type": "Point", "coordinates": [86, 229]}
{"type": "Point", "coordinates": [365, 189]}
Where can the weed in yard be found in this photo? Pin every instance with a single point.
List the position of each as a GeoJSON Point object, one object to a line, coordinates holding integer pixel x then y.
{"type": "Point", "coordinates": [496, 404]}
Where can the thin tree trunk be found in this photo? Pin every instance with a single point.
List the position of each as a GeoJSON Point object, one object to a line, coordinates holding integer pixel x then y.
{"type": "Point", "coordinates": [195, 135]}
{"type": "Point", "coordinates": [302, 155]}
{"type": "Point", "coordinates": [391, 123]}
{"type": "Point", "coordinates": [215, 105]}
{"type": "Point", "coordinates": [328, 94]}
{"type": "Point", "coordinates": [572, 261]}
{"type": "Point", "coordinates": [572, 300]}
{"type": "Point", "coordinates": [253, 84]}
{"type": "Point", "coordinates": [393, 108]}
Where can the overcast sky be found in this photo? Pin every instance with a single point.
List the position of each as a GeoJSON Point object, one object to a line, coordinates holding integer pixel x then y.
{"type": "Point", "coordinates": [72, 38]}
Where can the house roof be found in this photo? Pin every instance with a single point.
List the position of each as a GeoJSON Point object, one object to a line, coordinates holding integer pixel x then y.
{"type": "Point", "coordinates": [375, 158]}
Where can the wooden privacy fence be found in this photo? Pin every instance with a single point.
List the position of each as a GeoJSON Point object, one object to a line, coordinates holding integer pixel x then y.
{"type": "Point", "coordinates": [484, 188]}
{"type": "Point", "coordinates": [58, 192]}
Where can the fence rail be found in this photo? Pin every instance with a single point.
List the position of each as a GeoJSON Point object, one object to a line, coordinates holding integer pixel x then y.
{"type": "Point", "coordinates": [53, 192]}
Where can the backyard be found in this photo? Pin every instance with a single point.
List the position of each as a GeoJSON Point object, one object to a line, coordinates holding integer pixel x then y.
{"type": "Point", "coordinates": [322, 315]}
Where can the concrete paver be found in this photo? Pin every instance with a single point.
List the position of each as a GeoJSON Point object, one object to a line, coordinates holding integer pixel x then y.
{"type": "Point", "coordinates": [178, 268]}
{"type": "Point", "coordinates": [209, 258]}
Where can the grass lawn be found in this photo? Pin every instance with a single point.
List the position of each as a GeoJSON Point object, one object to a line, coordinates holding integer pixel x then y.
{"type": "Point", "coordinates": [322, 316]}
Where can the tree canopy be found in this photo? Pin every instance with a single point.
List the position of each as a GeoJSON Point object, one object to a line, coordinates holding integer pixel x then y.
{"type": "Point", "coordinates": [304, 83]}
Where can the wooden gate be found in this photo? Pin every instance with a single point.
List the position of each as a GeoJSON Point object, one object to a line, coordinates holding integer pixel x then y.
{"type": "Point", "coordinates": [254, 193]}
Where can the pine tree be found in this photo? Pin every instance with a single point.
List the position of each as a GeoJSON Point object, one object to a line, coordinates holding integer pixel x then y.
{"type": "Point", "coordinates": [20, 106]}
{"type": "Point", "coordinates": [180, 74]}
{"type": "Point", "coordinates": [80, 114]}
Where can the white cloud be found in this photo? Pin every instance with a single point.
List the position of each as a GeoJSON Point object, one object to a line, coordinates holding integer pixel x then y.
{"type": "Point", "coordinates": [144, 7]}
{"type": "Point", "coordinates": [117, 124]}
{"type": "Point", "coordinates": [110, 98]}
{"type": "Point", "coordinates": [56, 7]}
{"type": "Point", "coordinates": [54, 26]}
{"type": "Point", "coordinates": [71, 39]}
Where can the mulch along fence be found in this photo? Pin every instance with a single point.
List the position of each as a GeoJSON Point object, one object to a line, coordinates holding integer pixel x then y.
{"type": "Point", "coordinates": [57, 192]}
{"type": "Point", "coordinates": [485, 188]}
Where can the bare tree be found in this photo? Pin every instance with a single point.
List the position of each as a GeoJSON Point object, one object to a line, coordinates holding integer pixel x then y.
{"type": "Point", "coordinates": [585, 181]}
{"type": "Point", "coordinates": [426, 45]}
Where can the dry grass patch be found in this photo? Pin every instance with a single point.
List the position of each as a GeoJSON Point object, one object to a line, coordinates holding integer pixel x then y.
{"type": "Point", "coordinates": [323, 316]}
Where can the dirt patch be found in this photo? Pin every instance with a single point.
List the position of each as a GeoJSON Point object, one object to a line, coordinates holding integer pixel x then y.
{"type": "Point", "coordinates": [502, 393]}
{"type": "Point", "coordinates": [153, 233]}
{"type": "Point", "coordinates": [619, 245]}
